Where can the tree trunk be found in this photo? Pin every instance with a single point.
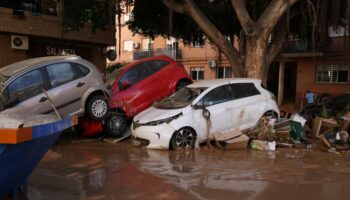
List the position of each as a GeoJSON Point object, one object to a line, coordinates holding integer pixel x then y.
{"type": "Point", "coordinates": [255, 58]}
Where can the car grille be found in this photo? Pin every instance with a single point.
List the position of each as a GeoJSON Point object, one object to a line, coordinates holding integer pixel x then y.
{"type": "Point", "coordinates": [140, 141]}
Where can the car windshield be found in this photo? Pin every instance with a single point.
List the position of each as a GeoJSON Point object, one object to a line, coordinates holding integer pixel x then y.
{"type": "Point", "coordinates": [180, 99]}
{"type": "Point", "coordinates": [113, 76]}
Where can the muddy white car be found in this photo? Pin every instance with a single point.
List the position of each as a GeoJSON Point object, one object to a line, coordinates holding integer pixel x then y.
{"type": "Point", "coordinates": [181, 119]}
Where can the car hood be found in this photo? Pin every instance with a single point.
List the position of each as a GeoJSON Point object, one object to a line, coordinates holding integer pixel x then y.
{"type": "Point", "coordinates": [153, 114]}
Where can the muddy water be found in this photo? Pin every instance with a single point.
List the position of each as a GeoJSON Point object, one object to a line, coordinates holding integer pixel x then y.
{"type": "Point", "coordinates": [98, 170]}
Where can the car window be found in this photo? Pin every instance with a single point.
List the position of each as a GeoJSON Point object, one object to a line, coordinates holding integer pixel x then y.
{"type": "Point", "coordinates": [218, 95]}
{"type": "Point", "coordinates": [25, 86]}
{"type": "Point", "coordinates": [84, 70]}
{"type": "Point", "coordinates": [61, 73]}
{"type": "Point", "coordinates": [157, 65]}
{"type": "Point", "coordinates": [134, 75]}
{"type": "Point", "coordinates": [242, 90]}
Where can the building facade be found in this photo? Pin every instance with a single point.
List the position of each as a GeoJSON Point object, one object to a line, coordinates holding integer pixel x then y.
{"type": "Point", "coordinates": [201, 61]}
{"type": "Point", "coordinates": [303, 66]}
{"type": "Point", "coordinates": [34, 28]}
{"type": "Point", "coordinates": [300, 65]}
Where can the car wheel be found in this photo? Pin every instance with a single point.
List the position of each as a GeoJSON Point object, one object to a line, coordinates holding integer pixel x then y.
{"type": "Point", "coordinates": [115, 124]}
{"type": "Point", "coordinates": [183, 138]}
{"type": "Point", "coordinates": [97, 107]}
{"type": "Point", "coordinates": [181, 84]}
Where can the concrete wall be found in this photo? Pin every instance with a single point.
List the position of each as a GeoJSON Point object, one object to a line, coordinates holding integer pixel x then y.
{"type": "Point", "coordinates": [9, 55]}
{"type": "Point", "coordinates": [50, 26]}
{"type": "Point", "coordinates": [306, 71]}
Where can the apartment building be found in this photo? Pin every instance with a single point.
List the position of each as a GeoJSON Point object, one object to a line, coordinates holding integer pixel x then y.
{"type": "Point", "coordinates": [31, 28]}
{"type": "Point", "coordinates": [300, 66]}
{"type": "Point", "coordinates": [201, 61]}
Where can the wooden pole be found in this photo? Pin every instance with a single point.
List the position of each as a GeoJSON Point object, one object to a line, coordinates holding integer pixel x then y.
{"type": "Point", "coordinates": [281, 83]}
{"type": "Point", "coordinates": [51, 103]}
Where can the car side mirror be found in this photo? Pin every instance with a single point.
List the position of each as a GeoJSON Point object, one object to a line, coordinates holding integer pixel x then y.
{"type": "Point", "coordinates": [125, 85]}
{"type": "Point", "coordinates": [206, 113]}
{"type": "Point", "coordinates": [199, 105]}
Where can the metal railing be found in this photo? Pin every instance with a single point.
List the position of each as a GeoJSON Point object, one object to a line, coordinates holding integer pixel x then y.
{"type": "Point", "coordinates": [297, 46]}
{"type": "Point", "coordinates": [173, 53]}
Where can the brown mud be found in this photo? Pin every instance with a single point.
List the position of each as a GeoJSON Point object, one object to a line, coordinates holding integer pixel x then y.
{"type": "Point", "coordinates": [99, 170]}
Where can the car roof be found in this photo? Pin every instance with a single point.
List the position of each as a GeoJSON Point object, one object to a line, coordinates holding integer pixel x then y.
{"type": "Point", "coordinates": [162, 57]}
{"type": "Point", "coordinates": [14, 68]}
{"type": "Point", "coordinates": [215, 82]}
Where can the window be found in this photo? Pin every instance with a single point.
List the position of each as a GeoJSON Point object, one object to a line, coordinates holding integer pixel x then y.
{"type": "Point", "coordinates": [170, 43]}
{"type": "Point", "coordinates": [197, 73]}
{"type": "Point", "coordinates": [157, 65]}
{"type": "Point", "coordinates": [147, 44]}
{"type": "Point", "coordinates": [26, 86]}
{"type": "Point", "coordinates": [332, 74]}
{"type": "Point", "coordinates": [242, 90]}
{"type": "Point", "coordinates": [61, 73]}
{"type": "Point", "coordinates": [128, 45]}
{"type": "Point", "coordinates": [338, 32]}
{"type": "Point", "coordinates": [84, 70]}
{"type": "Point", "coordinates": [218, 95]}
{"type": "Point", "coordinates": [224, 72]}
{"type": "Point", "coordinates": [134, 75]}
{"type": "Point", "coordinates": [127, 17]}
{"type": "Point", "coordinates": [198, 43]}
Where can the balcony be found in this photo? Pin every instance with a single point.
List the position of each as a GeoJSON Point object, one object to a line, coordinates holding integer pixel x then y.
{"type": "Point", "coordinates": [299, 46]}
{"type": "Point", "coordinates": [172, 53]}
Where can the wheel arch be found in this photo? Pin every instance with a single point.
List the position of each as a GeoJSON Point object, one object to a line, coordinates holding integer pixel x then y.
{"type": "Point", "coordinates": [92, 94]}
{"type": "Point", "coordinates": [189, 127]}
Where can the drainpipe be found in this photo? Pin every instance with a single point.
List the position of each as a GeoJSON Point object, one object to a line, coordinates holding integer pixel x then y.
{"type": "Point", "coordinates": [281, 83]}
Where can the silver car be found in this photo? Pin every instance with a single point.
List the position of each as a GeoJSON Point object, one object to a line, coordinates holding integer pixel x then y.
{"type": "Point", "coordinates": [71, 84]}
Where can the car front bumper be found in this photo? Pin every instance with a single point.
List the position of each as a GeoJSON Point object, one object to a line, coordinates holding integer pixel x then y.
{"type": "Point", "coordinates": [152, 137]}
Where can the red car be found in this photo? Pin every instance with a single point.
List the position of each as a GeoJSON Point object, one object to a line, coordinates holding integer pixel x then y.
{"type": "Point", "coordinates": [138, 85]}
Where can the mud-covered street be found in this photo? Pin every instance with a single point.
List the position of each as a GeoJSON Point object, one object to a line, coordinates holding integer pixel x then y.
{"type": "Point", "coordinates": [100, 170]}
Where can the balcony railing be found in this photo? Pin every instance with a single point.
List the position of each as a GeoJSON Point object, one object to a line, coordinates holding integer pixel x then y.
{"type": "Point", "coordinates": [300, 46]}
{"type": "Point", "coordinates": [173, 53]}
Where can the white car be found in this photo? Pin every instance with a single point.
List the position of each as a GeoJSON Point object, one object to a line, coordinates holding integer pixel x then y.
{"type": "Point", "coordinates": [181, 119]}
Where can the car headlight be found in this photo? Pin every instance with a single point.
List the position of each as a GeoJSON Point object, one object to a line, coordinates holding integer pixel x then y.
{"type": "Point", "coordinates": [157, 122]}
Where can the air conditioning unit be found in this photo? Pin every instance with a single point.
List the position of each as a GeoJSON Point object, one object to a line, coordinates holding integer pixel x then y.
{"type": "Point", "coordinates": [212, 63]}
{"type": "Point", "coordinates": [19, 42]}
{"type": "Point", "coordinates": [136, 45]}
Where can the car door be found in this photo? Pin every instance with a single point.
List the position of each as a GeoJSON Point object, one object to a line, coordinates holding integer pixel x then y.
{"type": "Point", "coordinates": [219, 103]}
{"type": "Point", "coordinates": [67, 87]}
{"type": "Point", "coordinates": [136, 88]}
{"type": "Point", "coordinates": [160, 79]}
{"type": "Point", "coordinates": [25, 94]}
{"type": "Point", "coordinates": [249, 104]}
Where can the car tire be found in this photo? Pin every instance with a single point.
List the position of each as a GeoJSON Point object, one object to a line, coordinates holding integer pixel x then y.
{"type": "Point", "coordinates": [182, 84]}
{"type": "Point", "coordinates": [185, 138]}
{"type": "Point", "coordinates": [115, 124]}
{"type": "Point", "coordinates": [97, 107]}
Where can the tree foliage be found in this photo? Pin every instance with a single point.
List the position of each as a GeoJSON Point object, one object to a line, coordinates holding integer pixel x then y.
{"type": "Point", "coordinates": [78, 13]}
{"type": "Point", "coordinates": [151, 18]}
{"type": "Point", "coordinates": [261, 25]}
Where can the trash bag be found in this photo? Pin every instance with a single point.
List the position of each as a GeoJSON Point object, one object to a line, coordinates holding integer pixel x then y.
{"type": "Point", "coordinates": [297, 132]}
